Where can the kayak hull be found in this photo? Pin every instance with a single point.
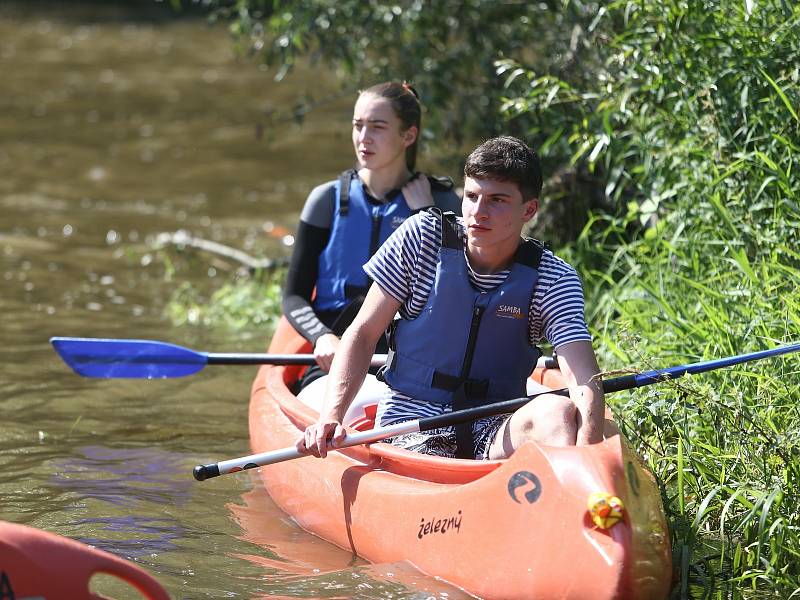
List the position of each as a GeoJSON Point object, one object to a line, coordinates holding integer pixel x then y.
{"type": "Point", "coordinates": [38, 564]}
{"type": "Point", "coordinates": [517, 528]}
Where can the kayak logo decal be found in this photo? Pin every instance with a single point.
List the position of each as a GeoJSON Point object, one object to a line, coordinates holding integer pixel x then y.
{"type": "Point", "coordinates": [436, 525]}
{"type": "Point", "coordinates": [233, 470]}
{"type": "Point", "coordinates": [6, 593]}
{"type": "Point", "coordinates": [522, 479]}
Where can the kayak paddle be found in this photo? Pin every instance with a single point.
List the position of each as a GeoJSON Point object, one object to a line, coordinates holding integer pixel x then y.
{"type": "Point", "coordinates": [148, 359]}
{"type": "Point", "coordinates": [626, 382]}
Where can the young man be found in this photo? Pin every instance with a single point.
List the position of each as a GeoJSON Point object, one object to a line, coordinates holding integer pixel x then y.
{"type": "Point", "coordinates": [474, 298]}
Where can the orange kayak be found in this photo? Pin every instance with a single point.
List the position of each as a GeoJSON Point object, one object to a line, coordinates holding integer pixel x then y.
{"type": "Point", "coordinates": [515, 528]}
{"type": "Point", "coordinates": [38, 564]}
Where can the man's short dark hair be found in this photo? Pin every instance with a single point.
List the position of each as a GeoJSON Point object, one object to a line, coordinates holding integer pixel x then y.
{"type": "Point", "coordinates": [506, 158]}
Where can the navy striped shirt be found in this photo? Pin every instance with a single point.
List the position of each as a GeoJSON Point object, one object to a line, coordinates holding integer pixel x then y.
{"type": "Point", "coordinates": [405, 268]}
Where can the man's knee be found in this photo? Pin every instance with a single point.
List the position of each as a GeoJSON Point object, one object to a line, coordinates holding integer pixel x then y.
{"type": "Point", "coordinates": [550, 419]}
{"type": "Point", "coordinates": [564, 408]}
{"type": "Point", "coordinates": [549, 408]}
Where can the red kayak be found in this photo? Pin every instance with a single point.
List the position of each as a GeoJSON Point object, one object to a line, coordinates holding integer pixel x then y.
{"type": "Point", "coordinates": [38, 565]}
{"type": "Point", "coordinates": [574, 522]}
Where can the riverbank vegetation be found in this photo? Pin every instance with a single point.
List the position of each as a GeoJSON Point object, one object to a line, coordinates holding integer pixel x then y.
{"type": "Point", "coordinates": [683, 117]}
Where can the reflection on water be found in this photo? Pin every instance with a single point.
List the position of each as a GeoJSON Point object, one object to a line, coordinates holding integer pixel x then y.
{"type": "Point", "coordinates": [129, 481]}
{"type": "Point", "coordinates": [115, 129]}
{"type": "Point", "coordinates": [290, 549]}
{"type": "Point", "coordinates": [126, 476]}
{"type": "Point", "coordinates": [131, 536]}
{"type": "Point", "coordinates": [300, 562]}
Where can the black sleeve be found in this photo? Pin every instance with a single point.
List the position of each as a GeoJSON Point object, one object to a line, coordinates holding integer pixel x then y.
{"type": "Point", "coordinates": [309, 243]}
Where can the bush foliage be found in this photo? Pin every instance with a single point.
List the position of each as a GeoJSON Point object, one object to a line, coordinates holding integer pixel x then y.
{"type": "Point", "coordinates": [686, 111]}
{"type": "Point", "coordinates": [690, 115]}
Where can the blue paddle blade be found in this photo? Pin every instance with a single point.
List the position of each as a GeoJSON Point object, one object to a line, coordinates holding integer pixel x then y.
{"type": "Point", "coordinates": [133, 359]}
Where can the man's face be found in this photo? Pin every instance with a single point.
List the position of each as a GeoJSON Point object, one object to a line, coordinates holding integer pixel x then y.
{"type": "Point", "coordinates": [494, 213]}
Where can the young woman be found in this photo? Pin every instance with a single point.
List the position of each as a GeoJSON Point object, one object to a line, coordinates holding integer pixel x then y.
{"type": "Point", "coordinates": [345, 221]}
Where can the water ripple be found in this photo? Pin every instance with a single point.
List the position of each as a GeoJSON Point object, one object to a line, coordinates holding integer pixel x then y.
{"type": "Point", "coordinates": [125, 476]}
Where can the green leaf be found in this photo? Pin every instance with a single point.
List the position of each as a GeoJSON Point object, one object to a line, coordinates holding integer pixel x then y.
{"type": "Point", "coordinates": [782, 95]}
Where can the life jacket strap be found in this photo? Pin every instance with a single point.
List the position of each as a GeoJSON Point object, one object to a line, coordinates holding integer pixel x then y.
{"type": "Point", "coordinates": [355, 292]}
{"type": "Point", "coordinates": [346, 316]}
{"type": "Point", "coordinates": [391, 354]}
{"type": "Point", "coordinates": [529, 252]}
{"type": "Point", "coordinates": [344, 191]}
{"type": "Point", "coordinates": [450, 235]}
{"type": "Point", "coordinates": [473, 388]}
{"type": "Point", "coordinates": [465, 438]}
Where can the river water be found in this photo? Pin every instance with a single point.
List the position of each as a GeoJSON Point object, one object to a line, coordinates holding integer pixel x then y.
{"type": "Point", "coordinates": [117, 126]}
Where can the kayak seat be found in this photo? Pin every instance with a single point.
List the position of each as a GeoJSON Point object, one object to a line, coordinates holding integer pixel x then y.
{"type": "Point", "coordinates": [361, 413]}
{"type": "Point", "coordinates": [367, 420]}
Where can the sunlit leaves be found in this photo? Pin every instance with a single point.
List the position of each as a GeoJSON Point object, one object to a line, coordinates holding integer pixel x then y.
{"type": "Point", "coordinates": [446, 47]}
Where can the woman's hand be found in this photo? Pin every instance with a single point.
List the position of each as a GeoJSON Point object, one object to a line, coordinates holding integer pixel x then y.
{"type": "Point", "coordinates": [325, 350]}
{"type": "Point", "coordinates": [320, 437]}
{"type": "Point", "coordinates": [417, 192]}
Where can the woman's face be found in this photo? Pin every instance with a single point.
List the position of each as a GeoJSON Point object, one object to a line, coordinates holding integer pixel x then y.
{"type": "Point", "coordinates": [378, 137]}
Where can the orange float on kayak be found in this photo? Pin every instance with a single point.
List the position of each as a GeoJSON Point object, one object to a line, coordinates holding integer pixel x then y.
{"type": "Point", "coordinates": [514, 528]}
{"type": "Point", "coordinates": [35, 564]}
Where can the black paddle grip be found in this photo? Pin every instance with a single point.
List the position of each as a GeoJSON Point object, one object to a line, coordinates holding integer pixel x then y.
{"type": "Point", "coordinates": [203, 472]}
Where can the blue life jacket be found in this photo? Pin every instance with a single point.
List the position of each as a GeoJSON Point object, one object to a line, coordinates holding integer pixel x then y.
{"type": "Point", "coordinates": [358, 229]}
{"type": "Point", "coordinates": [467, 347]}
